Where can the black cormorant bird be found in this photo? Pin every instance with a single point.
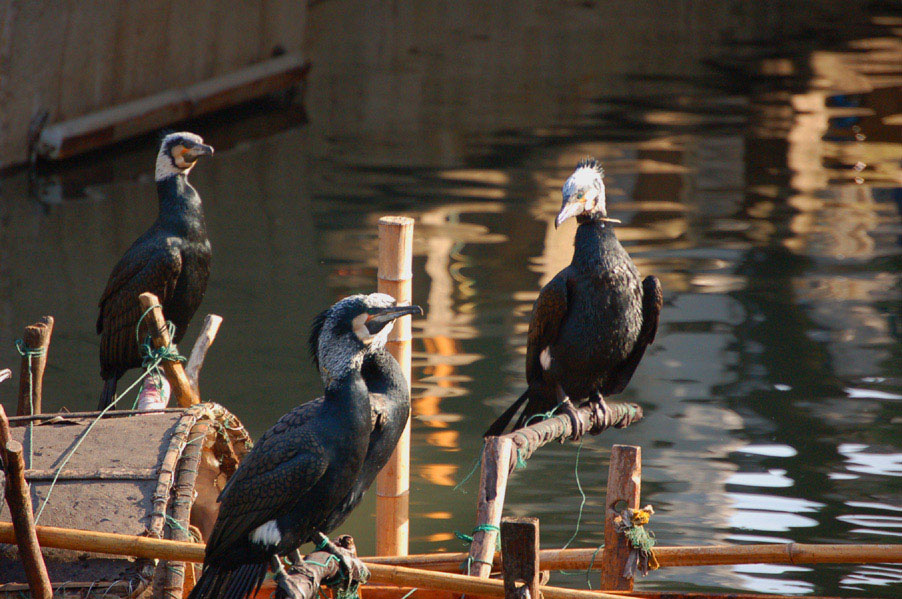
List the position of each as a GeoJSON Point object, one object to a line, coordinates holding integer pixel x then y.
{"type": "Point", "coordinates": [390, 404]}
{"type": "Point", "coordinates": [592, 322]}
{"type": "Point", "coordinates": [171, 259]}
{"type": "Point", "coordinates": [288, 488]}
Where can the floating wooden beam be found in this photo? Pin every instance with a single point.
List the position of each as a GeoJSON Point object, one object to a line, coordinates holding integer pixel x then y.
{"type": "Point", "coordinates": [624, 486]}
{"type": "Point", "coordinates": [18, 498]}
{"type": "Point", "coordinates": [393, 482]}
{"type": "Point", "coordinates": [115, 124]}
{"type": "Point", "coordinates": [199, 351]}
{"type": "Point", "coordinates": [496, 465]}
{"type": "Point", "coordinates": [31, 380]}
{"type": "Point", "coordinates": [520, 557]}
{"type": "Point", "coordinates": [159, 333]}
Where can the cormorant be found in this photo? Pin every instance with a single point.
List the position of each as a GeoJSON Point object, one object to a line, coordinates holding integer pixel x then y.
{"type": "Point", "coordinates": [592, 322]}
{"type": "Point", "coordinates": [287, 489]}
{"type": "Point", "coordinates": [171, 259]}
{"type": "Point", "coordinates": [390, 403]}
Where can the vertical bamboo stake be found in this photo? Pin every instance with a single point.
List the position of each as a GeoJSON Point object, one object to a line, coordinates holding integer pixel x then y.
{"type": "Point", "coordinates": [520, 557]}
{"type": "Point", "coordinates": [36, 338]}
{"type": "Point", "coordinates": [496, 459]}
{"type": "Point", "coordinates": [19, 499]}
{"type": "Point", "coordinates": [624, 485]}
{"type": "Point", "coordinates": [393, 483]}
{"type": "Point", "coordinates": [159, 334]}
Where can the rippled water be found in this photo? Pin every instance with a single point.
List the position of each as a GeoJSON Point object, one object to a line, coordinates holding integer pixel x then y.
{"type": "Point", "coordinates": [753, 154]}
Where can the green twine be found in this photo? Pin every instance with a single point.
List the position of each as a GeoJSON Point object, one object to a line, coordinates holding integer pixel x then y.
{"type": "Point", "coordinates": [582, 493]}
{"type": "Point", "coordinates": [410, 592]}
{"type": "Point", "coordinates": [476, 462]}
{"type": "Point", "coordinates": [639, 538]}
{"type": "Point", "coordinates": [173, 523]}
{"type": "Point", "coordinates": [29, 352]}
{"type": "Point", "coordinates": [158, 356]}
{"type": "Point", "coordinates": [331, 558]}
{"type": "Point", "coordinates": [323, 544]}
{"type": "Point", "coordinates": [468, 539]}
{"type": "Point", "coordinates": [592, 563]}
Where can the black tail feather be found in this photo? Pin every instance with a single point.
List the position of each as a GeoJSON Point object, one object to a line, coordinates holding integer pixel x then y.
{"type": "Point", "coordinates": [217, 582]}
{"type": "Point", "coordinates": [497, 427]}
{"type": "Point", "coordinates": [109, 392]}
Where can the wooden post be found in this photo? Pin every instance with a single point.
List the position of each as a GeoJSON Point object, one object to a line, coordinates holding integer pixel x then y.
{"type": "Point", "coordinates": [18, 498]}
{"type": "Point", "coordinates": [624, 485]}
{"type": "Point", "coordinates": [159, 334]}
{"type": "Point", "coordinates": [31, 381]}
{"type": "Point", "coordinates": [393, 483]}
{"type": "Point", "coordinates": [520, 557]}
{"type": "Point", "coordinates": [496, 459]}
{"type": "Point", "coordinates": [199, 351]}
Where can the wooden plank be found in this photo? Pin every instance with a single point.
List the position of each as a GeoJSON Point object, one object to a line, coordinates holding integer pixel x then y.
{"type": "Point", "coordinates": [520, 557]}
{"type": "Point", "coordinates": [199, 352]}
{"type": "Point", "coordinates": [96, 129]}
{"type": "Point", "coordinates": [624, 485]}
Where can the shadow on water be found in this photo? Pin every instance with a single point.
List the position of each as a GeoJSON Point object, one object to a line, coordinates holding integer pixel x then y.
{"type": "Point", "coordinates": [752, 151]}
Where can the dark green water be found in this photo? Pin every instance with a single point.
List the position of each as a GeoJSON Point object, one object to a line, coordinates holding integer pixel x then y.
{"type": "Point", "coordinates": [753, 154]}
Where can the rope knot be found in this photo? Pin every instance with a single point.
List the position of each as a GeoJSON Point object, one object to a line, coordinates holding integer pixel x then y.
{"type": "Point", "coordinates": [642, 557]}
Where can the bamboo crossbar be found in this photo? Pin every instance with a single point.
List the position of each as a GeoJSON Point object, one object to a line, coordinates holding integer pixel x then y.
{"type": "Point", "coordinates": [551, 559]}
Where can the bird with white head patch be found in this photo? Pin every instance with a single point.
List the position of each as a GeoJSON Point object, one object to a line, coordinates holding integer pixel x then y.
{"type": "Point", "coordinates": [171, 260]}
{"type": "Point", "coordinates": [295, 483]}
{"type": "Point", "coordinates": [592, 322]}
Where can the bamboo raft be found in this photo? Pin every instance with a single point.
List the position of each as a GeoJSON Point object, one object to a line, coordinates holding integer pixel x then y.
{"type": "Point", "coordinates": [141, 532]}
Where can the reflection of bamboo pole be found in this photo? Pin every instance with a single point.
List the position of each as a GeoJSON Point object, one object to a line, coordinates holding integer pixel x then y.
{"type": "Point", "coordinates": [393, 483]}
{"type": "Point", "coordinates": [159, 335]}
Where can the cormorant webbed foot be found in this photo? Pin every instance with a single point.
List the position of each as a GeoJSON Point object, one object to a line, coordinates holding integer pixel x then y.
{"type": "Point", "coordinates": [601, 412]}
{"type": "Point", "coordinates": [353, 570]}
{"type": "Point", "coordinates": [570, 410]}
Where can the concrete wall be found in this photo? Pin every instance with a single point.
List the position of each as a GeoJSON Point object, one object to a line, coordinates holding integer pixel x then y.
{"type": "Point", "coordinates": [72, 58]}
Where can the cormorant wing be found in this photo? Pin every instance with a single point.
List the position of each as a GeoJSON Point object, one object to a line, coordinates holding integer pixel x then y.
{"type": "Point", "coordinates": [286, 462]}
{"type": "Point", "coordinates": [144, 267]}
{"type": "Point", "coordinates": [547, 316]}
{"type": "Point", "coordinates": [652, 302]}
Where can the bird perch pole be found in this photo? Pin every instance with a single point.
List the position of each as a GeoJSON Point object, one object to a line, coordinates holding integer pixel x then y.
{"type": "Point", "coordinates": [393, 483]}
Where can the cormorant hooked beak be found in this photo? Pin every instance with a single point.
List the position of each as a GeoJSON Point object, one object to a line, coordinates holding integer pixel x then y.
{"type": "Point", "coordinates": [571, 207]}
{"type": "Point", "coordinates": [197, 150]}
{"type": "Point", "coordinates": [380, 317]}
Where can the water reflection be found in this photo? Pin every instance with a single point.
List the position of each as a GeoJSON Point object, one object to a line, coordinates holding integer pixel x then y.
{"type": "Point", "coordinates": [761, 186]}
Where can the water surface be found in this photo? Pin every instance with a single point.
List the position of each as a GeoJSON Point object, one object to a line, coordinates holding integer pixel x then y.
{"type": "Point", "coordinates": [753, 154]}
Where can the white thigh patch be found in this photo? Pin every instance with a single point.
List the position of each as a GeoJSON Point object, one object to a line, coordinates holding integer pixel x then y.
{"type": "Point", "coordinates": [545, 358]}
{"type": "Point", "coordinates": [267, 534]}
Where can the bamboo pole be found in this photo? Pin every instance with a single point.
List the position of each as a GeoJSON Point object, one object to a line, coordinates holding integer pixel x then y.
{"type": "Point", "coordinates": [31, 379]}
{"type": "Point", "coordinates": [496, 458]}
{"type": "Point", "coordinates": [393, 483]}
{"type": "Point", "coordinates": [18, 497]}
{"type": "Point", "coordinates": [199, 351]}
{"type": "Point", "coordinates": [624, 486]}
{"type": "Point", "coordinates": [159, 334]}
{"type": "Point", "coordinates": [551, 559]}
{"type": "Point", "coordinates": [5, 374]}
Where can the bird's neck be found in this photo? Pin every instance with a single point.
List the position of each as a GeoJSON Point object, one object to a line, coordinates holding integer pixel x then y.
{"type": "Point", "coordinates": [340, 362]}
{"type": "Point", "coordinates": [180, 207]}
{"type": "Point", "coordinates": [595, 243]}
